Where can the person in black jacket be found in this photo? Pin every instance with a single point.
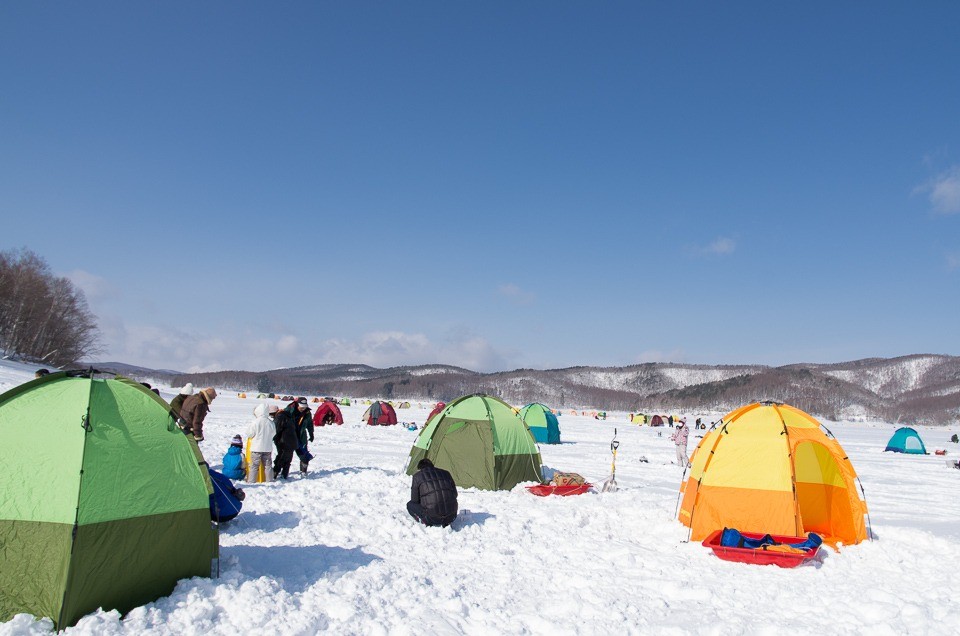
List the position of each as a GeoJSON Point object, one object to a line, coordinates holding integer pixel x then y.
{"type": "Point", "coordinates": [433, 495]}
{"type": "Point", "coordinates": [285, 440]}
{"type": "Point", "coordinates": [303, 421]}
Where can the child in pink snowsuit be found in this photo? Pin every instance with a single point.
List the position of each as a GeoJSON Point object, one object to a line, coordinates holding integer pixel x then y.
{"type": "Point", "coordinates": [679, 438]}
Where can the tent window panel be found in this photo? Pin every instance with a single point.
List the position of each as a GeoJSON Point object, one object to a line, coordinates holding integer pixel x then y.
{"type": "Point", "coordinates": [815, 464]}
{"type": "Point", "coordinates": [466, 450]}
{"type": "Point", "coordinates": [824, 503]}
{"type": "Point", "coordinates": [826, 511]}
{"type": "Point", "coordinates": [745, 459]}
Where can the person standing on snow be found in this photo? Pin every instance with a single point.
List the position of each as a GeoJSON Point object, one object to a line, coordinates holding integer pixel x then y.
{"type": "Point", "coordinates": [679, 438]}
{"type": "Point", "coordinates": [194, 410]}
{"type": "Point", "coordinates": [303, 419]}
{"type": "Point", "coordinates": [286, 442]}
{"type": "Point", "coordinates": [433, 495]}
{"type": "Point", "coordinates": [261, 432]}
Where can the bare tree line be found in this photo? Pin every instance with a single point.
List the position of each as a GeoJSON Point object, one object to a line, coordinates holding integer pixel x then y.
{"type": "Point", "coordinates": [43, 317]}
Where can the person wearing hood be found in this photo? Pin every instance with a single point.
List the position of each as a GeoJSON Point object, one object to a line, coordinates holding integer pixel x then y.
{"type": "Point", "coordinates": [261, 432]}
{"type": "Point", "coordinates": [234, 466]}
{"type": "Point", "coordinates": [176, 404]}
{"type": "Point", "coordinates": [194, 410]}
{"type": "Point", "coordinates": [679, 438]}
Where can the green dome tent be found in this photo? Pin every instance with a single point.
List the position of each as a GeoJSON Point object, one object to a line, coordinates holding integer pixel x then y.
{"type": "Point", "coordinates": [542, 423]}
{"type": "Point", "coordinates": [104, 502]}
{"type": "Point", "coordinates": [482, 442]}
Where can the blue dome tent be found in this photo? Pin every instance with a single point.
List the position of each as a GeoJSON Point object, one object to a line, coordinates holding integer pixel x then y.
{"type": "Point", "coordinates": [906, 440]}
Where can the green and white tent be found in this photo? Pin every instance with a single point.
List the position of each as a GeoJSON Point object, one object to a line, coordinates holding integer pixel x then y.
{"type": "Point", "coordinates": [482, 442]}
{"type": "Point", "coordinates": [104, 502]}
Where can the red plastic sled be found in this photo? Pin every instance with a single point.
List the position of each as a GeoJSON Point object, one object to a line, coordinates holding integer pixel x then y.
{"type": "Point", "coordinates": [543, 490]}
{"type": "Point", "coordinates": [760, 556]}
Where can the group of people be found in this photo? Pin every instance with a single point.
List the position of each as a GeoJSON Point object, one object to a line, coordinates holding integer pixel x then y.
{"type": "Point", "coordinates": [433, 494]}
{"type": "Point", "coordinates": [288, 431]}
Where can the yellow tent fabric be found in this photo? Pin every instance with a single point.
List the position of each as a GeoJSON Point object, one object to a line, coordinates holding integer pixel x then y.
{"type": "Point", "coordinates": [769, 467]}
{"type": "Point", "coordinates": [260, 470]}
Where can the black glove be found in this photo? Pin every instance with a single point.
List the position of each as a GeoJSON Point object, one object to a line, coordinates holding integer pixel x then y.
{"type": "Point", "coordinates": [311, 438]}
{"type": "Point", "coordinates": [239, 494]}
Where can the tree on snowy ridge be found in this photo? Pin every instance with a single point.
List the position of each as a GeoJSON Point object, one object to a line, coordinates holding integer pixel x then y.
{"type": "Point", "coordinates": [42, 317]}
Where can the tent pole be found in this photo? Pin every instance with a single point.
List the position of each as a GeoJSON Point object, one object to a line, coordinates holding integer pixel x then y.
{"type": "Point", "coordinates": [869, 523]}
{"type": "Point", "coordinates": [693, 508]}
{"type": "Point", "coordinates": [798, 524]}
{"type": "Point", "coordinates": [686, 469]}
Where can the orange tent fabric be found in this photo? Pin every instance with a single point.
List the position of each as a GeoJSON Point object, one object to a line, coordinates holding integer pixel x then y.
{"type": "Point", "coordinates": [769, 467]}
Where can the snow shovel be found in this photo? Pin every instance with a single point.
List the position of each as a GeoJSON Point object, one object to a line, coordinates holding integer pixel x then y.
{"type": "Point", "coordinates": [611, 484]}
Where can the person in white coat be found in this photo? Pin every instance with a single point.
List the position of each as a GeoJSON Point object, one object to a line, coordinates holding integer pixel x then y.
{"type": "Point", "coordinates": [260, 432]}
{"type": "Point", "coordinates": [679, 438]}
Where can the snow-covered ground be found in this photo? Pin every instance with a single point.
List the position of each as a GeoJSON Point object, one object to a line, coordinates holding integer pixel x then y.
{"type": "Point", "coordinates": [336, 552]}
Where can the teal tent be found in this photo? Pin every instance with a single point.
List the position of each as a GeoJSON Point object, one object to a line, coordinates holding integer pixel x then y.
{"type": "Point", "coordinates": [906, 440]}
{"type": "Point", "coordinates": [542, 423]}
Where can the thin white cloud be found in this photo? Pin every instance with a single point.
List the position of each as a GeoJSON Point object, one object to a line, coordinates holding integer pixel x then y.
{"type": "Point", "coordinates": [96, 288]}
{"type": "Point", "coordinates": [953, 261]}
{"type": "Point", "coordinates": [720, 246]}
{"type": "Point", "coordinates": [943, 191]}
{"type": "Point", "coordinates": [162, 347]}
{"type": "Point", "coordinates": [514, 294]}
{"type": "Point", "coordinates": [461, 348]}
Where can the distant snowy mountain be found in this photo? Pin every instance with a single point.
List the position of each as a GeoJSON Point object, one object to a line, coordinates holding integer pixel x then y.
{"type": "Point", "coordinates": [919, 389]}
{"type": "Point", "coordinates": [133, 371]}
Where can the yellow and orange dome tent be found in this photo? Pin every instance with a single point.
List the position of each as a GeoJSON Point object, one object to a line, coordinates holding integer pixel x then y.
{"type": "Point", "coordinates": [771, 468]}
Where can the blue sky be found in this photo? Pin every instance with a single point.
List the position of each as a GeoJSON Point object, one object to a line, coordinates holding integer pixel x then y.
{"type": "Point", "coordinates": [493, 184]}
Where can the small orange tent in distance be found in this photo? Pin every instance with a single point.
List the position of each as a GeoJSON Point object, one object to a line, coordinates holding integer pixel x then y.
{"type": "Point", "coordinates": [771, 468]}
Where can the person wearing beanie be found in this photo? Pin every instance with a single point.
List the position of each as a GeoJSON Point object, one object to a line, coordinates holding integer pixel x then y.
{"type": "Point", "coordinates": [234, 465]}
{"type": "Point", "coordinates": [285, 440]}
{"type": "Point", "coordinates": [261, 432]}
{"type": "Point", "coordinates": [176, 404]}
{"type": "Point", "coordinates": [194, 410]}
{"type": "Point", "coordinates": [303, 419]}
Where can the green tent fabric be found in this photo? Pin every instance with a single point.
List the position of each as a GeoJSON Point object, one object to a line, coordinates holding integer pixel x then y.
{"type": "Point", "coordinates": [482, 442]}
{"type": "Point", "coordinates": [542, 423]}
{"type": "Point", "coordinates": [104, 502]}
